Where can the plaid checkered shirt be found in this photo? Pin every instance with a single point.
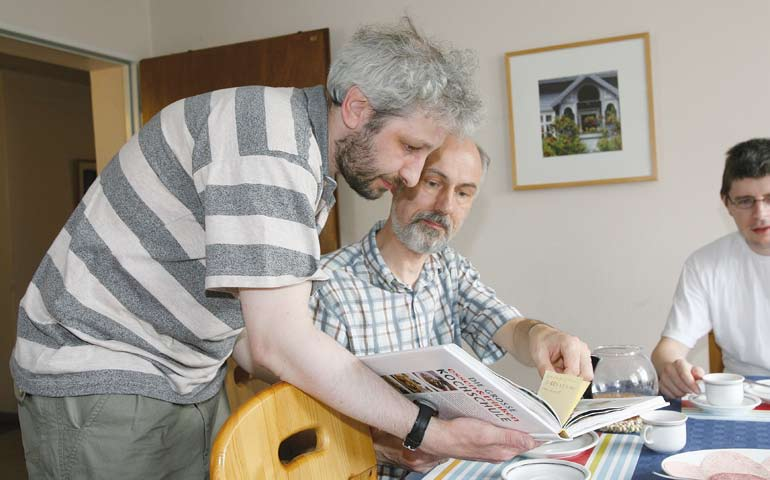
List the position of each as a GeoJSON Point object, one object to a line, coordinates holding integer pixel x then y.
{"type": "Point", "coordinates": [368, 310]}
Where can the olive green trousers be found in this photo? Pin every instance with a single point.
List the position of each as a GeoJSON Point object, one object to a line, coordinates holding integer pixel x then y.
{"type": "Point", "coordinates": [118, 436]}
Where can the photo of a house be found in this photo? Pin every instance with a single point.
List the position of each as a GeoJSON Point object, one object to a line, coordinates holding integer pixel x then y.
{"type": "Point", "coordinates": [580, 114]}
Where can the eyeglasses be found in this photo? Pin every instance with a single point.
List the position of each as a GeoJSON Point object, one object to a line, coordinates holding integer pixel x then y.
{"type": "Point", "coordinates": [747, 203]}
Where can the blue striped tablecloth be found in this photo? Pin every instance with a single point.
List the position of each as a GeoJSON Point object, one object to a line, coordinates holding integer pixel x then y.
{"type": "Point", "coordinates": [624, 457]}
{"type": "Point", "coordinates": [614, 457]}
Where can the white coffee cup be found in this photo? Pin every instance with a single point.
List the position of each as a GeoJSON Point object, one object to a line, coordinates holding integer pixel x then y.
{"type": "Point", "coordinates": [664, 431]}
{"type": "Point", "coordinates": [724, 389]}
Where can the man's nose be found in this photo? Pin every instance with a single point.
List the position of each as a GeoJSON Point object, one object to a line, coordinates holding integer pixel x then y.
{"type": "Point", "coordinates": [760, 206]}
{"type": "Point", "coordinates": [445, 202]}
{"type": "Point", "coordinates": [410, 173]}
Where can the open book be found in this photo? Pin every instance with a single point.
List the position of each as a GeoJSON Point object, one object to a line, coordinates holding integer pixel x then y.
{"type": "Point", "coordinates": [461, 386]}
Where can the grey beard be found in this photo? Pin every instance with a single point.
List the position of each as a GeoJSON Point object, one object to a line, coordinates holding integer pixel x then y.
{"type": "Point", "coordinates": [420, 238]}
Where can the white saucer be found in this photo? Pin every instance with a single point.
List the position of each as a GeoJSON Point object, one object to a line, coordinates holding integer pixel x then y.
{"type": "Point", "coordinates": [749, 403]}
{"type": "Point", "coordinates": [559, 449]}
{"type": "Point", "coordinates": [545, 469]}
{"type": "Point", "coordinates": [762, 391]}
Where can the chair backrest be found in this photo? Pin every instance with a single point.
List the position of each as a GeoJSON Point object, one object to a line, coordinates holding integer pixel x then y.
{"type": "Point", "coordinates": [715, 355]}
{"type": "Point", "coordinates": [241, 387]}
{"type": "Point", "coordinates": [283, 433]}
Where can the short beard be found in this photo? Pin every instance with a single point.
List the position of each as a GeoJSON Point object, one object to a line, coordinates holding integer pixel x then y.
{"type": "Point", "coordinates": [356, 160]}
{"type": "Point", "coordinates": [420, 238]}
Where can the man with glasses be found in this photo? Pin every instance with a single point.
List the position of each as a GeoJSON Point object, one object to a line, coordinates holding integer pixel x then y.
{"type": "Point", "coordinates": [725, 286]}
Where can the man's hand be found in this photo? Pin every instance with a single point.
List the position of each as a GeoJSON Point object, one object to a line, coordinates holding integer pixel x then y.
{"type": "Point", "coordinates": [552, 349]}
{"type": "Point", "coordinates": [390, 450]}
{"type": "Point", "coordinates": [471, 439]}
{"type": "Point", "coordinates": [537, 344]}
{"type": "Point", "coordinates": [678, 378]}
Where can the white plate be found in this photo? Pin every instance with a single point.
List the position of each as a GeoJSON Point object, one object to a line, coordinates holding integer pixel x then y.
{"type": "Point", "coordinates": [561, 449]}
{"type": "Point", "coordinates": [749, 403]}
{"type": "Point", "coordinates": [761, 391]}
{"type": "Point", "coordinates": [545, 469]}
{"type": "Point", "coordinates": [695, 457]}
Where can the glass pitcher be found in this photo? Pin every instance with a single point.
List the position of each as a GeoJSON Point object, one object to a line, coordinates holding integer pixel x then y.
{"type": "Point", "coordinates": [623, 371]}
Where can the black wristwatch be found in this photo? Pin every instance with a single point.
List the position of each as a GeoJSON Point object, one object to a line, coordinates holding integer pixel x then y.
{"type": "Point", "coordinates": [414, 438]}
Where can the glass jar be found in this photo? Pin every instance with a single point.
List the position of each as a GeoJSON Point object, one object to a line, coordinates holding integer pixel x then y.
{"type": "Point", "coordinates": [623, 371]}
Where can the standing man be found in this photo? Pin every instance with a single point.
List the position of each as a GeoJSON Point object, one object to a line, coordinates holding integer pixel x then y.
{"type": "Point", "coordinates": [199, 240]}
{"type": "Point", "coordinates": [725, 286]}
{"type": "Point", "coordinates": [403, 287]}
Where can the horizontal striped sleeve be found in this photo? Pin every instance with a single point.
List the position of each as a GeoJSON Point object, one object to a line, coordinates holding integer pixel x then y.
{"type": "Point", "coordinates": [261, 194]}
{"type": "Point", "coordinates": [250, 230]}
{"type": "Point", "coordinates": [265, 170]}
{"type": "Point", "coordinates": [276, 266]}
{"type": "Point", "coordinates": [259, 200]}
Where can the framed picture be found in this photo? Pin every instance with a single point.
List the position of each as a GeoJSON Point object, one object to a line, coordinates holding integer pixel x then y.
{"type": "Point", "coordinates": [581, 113]}
{"type": "Point", "coordinates": [85, 174]}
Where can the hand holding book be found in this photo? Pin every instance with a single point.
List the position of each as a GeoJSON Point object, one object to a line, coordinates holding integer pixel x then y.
{"type": "Point", "coordinates": [461, 386]}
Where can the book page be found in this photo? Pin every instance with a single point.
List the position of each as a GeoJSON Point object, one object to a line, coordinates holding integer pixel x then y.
{"type": "Point", "coordinates": [591, 414]}
{"type": "Point", "coordinates": [461, 386]}
{"type": "Point", "coordinates": [562, 392]}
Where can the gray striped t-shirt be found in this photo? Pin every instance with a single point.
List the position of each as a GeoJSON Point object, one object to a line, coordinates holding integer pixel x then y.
{"type": "Point", "coordinates": [217, 192]}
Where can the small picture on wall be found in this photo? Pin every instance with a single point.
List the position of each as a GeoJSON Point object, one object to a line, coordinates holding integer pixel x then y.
{"type": "Point", "coordinates": [580, 114]}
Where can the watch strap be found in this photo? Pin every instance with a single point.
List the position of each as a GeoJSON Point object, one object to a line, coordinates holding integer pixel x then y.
{"type": "Point", "coordinates": [415, 436]}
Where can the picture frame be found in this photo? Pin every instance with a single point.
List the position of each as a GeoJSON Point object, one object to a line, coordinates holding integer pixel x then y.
{"type": "Point", "coordinates": [582, 113]}
{"type": "Point", "coordinates": [85, 173]}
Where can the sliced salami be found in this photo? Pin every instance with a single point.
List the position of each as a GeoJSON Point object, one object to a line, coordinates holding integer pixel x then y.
{"type": "Point", "coordinates": [734, 463]}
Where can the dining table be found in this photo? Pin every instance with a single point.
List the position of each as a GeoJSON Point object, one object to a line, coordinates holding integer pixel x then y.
{"type": "Point", "coordinates": [623, 456]}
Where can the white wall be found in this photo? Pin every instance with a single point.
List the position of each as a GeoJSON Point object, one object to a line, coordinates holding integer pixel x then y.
{"type": "Point", "coordinates": [599, 261]}
{"type": "Point", "coordinates": [120, 28]}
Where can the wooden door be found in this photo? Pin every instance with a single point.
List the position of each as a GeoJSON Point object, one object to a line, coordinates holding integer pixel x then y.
{"type": "Point", "coordinates": [298, 60]}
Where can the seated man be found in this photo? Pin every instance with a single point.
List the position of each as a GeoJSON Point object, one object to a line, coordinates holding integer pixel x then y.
{"type": "Point", "coordinates": [402, 287]}
{"type": "Point", "coordinates": [725, 286]}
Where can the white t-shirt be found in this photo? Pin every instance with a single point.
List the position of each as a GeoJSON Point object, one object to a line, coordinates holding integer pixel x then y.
{"type": "Point", "coordinates": [725, 286]}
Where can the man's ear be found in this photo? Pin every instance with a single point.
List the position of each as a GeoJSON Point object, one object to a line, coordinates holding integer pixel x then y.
{"type": "Point", "coordinates": [355, 108]}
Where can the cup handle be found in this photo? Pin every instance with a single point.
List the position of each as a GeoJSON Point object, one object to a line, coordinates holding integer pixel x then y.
{"type": "Point", "coordinates": [645, 439]}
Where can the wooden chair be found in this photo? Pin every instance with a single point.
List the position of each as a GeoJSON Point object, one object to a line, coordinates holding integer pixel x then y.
{"type": "Point", "coordinates": [240, 387]}
{"type": "Point", "coordinates": [283, 433]}
{"type": "Point", "coordinates": [715, 355]}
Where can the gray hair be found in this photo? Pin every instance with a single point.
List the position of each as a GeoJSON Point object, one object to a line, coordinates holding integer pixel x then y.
{"type": "Point", "coordinates": [400, 72]}
{"type": "Point", "coordinates": [485, 160]}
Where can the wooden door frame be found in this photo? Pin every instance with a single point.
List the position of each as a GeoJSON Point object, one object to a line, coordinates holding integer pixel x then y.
{"type": "Point", "coordinates": [114, 101]}
{"type": "Point", "coordinates": [113, 106]}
